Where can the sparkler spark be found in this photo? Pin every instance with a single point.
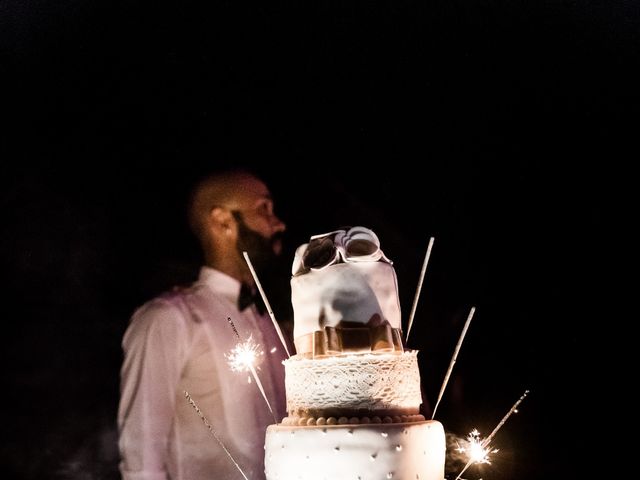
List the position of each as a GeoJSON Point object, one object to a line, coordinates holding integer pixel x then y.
{"type": "Point", "coordinates": [244, 358]}
{"type": "Point", "coordinates": [482, 449]}
{"type": "Point", "coordinates": [475, 450]}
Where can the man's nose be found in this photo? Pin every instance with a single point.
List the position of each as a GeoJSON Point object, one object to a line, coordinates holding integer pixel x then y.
{"type": "Point", "coordinates": [277, 225]}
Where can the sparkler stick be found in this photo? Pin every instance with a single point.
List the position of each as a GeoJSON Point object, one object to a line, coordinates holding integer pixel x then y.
{"type": "Point", "coordinates": [471, 460]}
{"type": "Point", "coordinates": [242, 359]}
{"type": "Point", "coordinates": [453, 359]}
{"type": "Point", "coordinates": [485, 443]}
{"type": "Point", "coordinates": [419, 288]}
{"type": "Point", "coordinates": [264, 395]}
{"type": "Point", "coordinates": [213, 432]}
{"type": "Point", "coordinates": [266, 303]}
{"type": "Point", "coordinates": [233, 327]}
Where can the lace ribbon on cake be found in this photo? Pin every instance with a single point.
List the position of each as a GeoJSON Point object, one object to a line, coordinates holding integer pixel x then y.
{"type": "Point", "coordinates": [366, 382]}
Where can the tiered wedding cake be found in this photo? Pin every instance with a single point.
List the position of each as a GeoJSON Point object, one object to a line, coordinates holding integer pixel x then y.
{"type": "Point", "coordinates": [353, 392]}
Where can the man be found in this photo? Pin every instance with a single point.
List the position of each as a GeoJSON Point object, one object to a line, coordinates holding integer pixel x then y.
{"type": "Point", "coordinates": [177, 342]}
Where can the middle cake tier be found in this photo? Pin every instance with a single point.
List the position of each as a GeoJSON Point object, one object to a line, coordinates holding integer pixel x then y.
{"type": "Point", "coordinates": [357, 385]}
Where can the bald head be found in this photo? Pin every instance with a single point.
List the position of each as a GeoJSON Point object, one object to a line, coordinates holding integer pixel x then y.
{"type": "Point", "coordinates": [232, 212]}
{"type": "Point", "coordinates": [217, 190]}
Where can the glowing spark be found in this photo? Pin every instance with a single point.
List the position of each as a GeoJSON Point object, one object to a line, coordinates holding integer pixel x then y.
{"type": "Point", "coordinates": [213, 432]}
{"type": "Point", "coordinates": [475, 450]}
{"type": "Point", "coordinates": [243, 358]}
{"type": "Point", "coordinates": [266, 303]}
{"type": "Point", "coordinates": [483, 446]}
{"type": "Point", "coordinates": [419, 288]}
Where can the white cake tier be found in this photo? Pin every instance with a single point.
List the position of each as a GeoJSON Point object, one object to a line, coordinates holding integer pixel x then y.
{"type": "Point", "coordinates": [412, 451]}
{"type": "Point", "coordinates": [353, 385]}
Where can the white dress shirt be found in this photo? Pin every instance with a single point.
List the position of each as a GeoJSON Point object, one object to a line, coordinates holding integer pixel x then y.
{"type": "Point", "coordinates": [175, 343]}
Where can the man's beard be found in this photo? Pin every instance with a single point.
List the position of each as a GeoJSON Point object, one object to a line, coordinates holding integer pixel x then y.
{"type": "Point", "coordinates": [261, 250]}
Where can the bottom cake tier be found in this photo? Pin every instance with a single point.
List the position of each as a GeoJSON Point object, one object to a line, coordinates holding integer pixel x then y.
{"type": "Point", "coordinates": [398, 451]}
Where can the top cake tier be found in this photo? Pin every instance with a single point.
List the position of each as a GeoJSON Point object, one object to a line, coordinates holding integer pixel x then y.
{"type": "Point", "coordinates": [344, 293]}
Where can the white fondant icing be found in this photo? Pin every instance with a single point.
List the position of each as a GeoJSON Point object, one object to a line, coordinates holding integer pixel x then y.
{"type": "Point", "coordinates": [347, 452]}
{"type": "Point", "coordinates": [352, 292]}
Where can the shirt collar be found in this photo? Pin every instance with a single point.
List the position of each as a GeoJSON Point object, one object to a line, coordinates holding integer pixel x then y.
{"type": "Point", "coordinates": [221, 283]}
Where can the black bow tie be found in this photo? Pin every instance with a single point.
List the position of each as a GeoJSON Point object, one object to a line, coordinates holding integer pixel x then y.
{"type": "Point", "coordinates": [249, 296]}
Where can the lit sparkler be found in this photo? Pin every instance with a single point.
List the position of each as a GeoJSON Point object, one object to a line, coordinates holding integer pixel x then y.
{"type": "Point", "coordinates": [479, 450]}
{"type": "Point", "coordinates": [213, 432]}
{"type": "Point", "coordinates": [244, 358]}
{"type": "Point", "coordinates": [475, 450]}
{"type": "Point", "coordinates": [513, 409]}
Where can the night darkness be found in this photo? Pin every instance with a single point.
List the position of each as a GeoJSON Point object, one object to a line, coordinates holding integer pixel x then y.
{"type": "Point", "coordinates": [469, 121]}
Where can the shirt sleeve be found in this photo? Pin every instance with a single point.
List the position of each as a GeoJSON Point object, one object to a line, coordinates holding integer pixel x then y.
{"type": "Point", "coordinates": [153, 346]}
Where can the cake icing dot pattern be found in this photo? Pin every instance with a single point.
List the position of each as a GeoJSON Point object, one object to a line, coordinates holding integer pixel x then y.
{"type": "Point", "coordinates": [365, 454]}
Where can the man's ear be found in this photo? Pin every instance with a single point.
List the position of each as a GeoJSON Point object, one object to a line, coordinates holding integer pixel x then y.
{"type": "Point", "coordinates": [221, 219]}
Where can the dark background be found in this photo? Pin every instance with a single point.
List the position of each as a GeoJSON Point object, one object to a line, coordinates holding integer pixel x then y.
{"type": "Point", "coordinates": [475, 122]}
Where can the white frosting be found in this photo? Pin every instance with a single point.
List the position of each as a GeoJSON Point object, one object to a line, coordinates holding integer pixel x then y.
{"type": "Point", "coordinates": [352, 292]}
{"type": "Point", "coordinates": [366, 382]}
{"type": "Point", "coordinates": [414, 451]}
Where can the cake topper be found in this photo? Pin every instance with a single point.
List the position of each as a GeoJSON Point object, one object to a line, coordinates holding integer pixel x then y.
{"type": "Point", "coordinates": [350, 244]}
{"type": "Point", "coordinates": [344, 293]}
